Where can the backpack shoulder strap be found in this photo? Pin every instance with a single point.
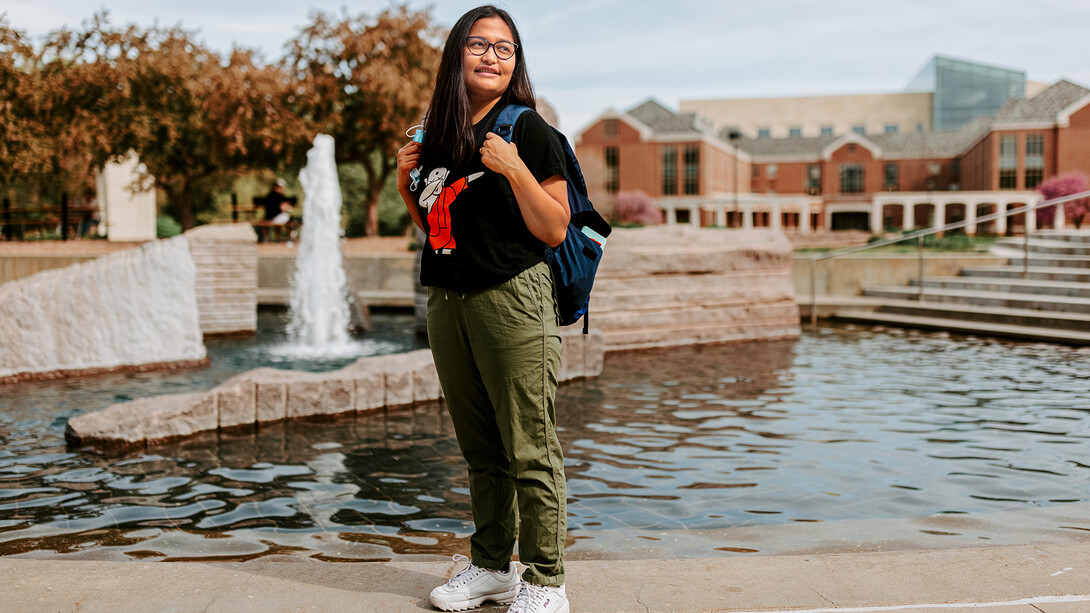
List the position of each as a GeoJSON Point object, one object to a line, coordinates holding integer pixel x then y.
{"type": "Point", "coordinates": [505, 123]}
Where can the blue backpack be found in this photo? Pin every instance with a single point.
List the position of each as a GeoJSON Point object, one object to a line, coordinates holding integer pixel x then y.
{"type": "Point", "coordinates": [574, 262]}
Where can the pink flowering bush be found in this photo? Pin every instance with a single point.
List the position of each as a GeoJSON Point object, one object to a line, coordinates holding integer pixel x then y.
{"type": "Point", "coordinates": [635, 209]}
{"type": "Point", "coordinates": [1065, 185]}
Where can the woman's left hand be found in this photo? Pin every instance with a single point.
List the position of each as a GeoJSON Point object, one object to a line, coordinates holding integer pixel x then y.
{"type": "Point", "coordinates": [501, 156]}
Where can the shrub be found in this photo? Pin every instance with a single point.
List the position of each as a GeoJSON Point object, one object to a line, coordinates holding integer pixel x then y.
{"type": "Point", "coordinates": [166, 226]}
{"type": "Point", "coordinates": [1066, 185]}
{"type": "Point", "coordinates": [635, 209]}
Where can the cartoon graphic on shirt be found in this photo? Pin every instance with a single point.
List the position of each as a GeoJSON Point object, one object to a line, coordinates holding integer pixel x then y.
{"type": "Point", "coordinates": [436, 199]}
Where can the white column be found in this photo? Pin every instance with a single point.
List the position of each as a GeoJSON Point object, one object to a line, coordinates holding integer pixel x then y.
{"type": "Point", "coordinates": [1031, 221]}
{"type": "Point", "coordinates": [938, 209]}
{"type": "Point", "coordinates": [804, 217]}
{"type": "Point", "coordinates": [970, 217]}
{"type": "Point", "coordinates": [1001, 222]}
{"type": "Point", "coordinates": [720, 214]}
{"type": "Point", "coordinates": [876, 216]}
{"type": "Point", "coordinates": [670, 213]}
{"type": "Point", "coordinates": [694, 215]}
{"type": "Point", "coordinates": [777, 216]}
{"type": "Point", "coordinates": [747, 216]}
{"type": "Point", "coordinates": [1058, 223]}
{"type": "Point", "coordinates": [908, 215]}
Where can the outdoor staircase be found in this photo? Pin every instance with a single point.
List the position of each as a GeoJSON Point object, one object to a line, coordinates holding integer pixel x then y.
{"type": "Point", "coordinates": [1052, 302]}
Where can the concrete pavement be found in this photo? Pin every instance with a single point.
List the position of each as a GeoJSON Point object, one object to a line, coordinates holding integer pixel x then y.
{"type": "Point", "coordinates": [1051, 578]}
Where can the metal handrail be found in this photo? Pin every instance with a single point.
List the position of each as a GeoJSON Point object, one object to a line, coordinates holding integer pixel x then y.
{"type": "Point", "coordinates": [919, 236]}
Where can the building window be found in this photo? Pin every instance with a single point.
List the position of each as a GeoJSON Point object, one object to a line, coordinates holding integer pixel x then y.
{"type": "Point", "coordinates": [851, 178]}
{"type": "Point", "coordinates": [859, 129]}
{"type": "Point", "coordinates": [669, 171]}
{"type": "Point", "coordinates": [764, 133]}
{"type": "Point", "coordinates": [891, 128]}
{"type": "Point", "coordinates": [1008, 162]}
{"type": "Point", "coordinates": [692, 169]}
{"type": "Point", "coordinates": [794, 132]}
{"type": "Point", "coordinates": [826, 130]}
{"type": "Point", "coordinates": [813, 179]}
{"type": "Point", "coordinates": [613, 167]}
{"type": "Point", "coordinates": [613, 128]}
{"type": "Point", "coordinates": [891, 177]}
{"type": "Point", "coordinates": [756, 171]}
{"type": "Point", "coordinates": [771, 171]}
{"type": "Point", "coordinates": [1035, 160]}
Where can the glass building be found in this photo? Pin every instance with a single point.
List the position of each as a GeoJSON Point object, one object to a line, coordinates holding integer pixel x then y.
{"type": "Point", "coordinates": [962, 91]}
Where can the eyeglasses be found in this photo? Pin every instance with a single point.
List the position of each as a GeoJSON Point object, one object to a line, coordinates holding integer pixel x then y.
{"type": "Point", "coordinates": [479, 45]}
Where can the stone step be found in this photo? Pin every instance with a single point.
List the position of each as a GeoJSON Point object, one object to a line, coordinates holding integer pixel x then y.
{"type": "Point", "coordinates": [1009, 285]}
{"type": "Point", "coordinates": [706, 313]}
{"type": "Point", "coordinates": [1038, 273]}
{"type": "Point", "coordinates": [963, 326]}
{"type": "Point", "coordinates": [1040, 246]}
{"type": "Point", "coordinates": [987, 314]}
{"type": "Point", "coordinates": [1072, 236]}
{"type": "Point", "coordinates": [1063, 304]}
{"type": "Point", "coordinates": [1044, 260]}
{"type": "Point", "coordinates": [647, 337]}
{"type": "Point", "coordinates": [646, 296]}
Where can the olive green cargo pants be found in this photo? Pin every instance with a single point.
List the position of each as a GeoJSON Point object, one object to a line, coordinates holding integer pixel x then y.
{"type": "Point", "coordinates": [497, 352]}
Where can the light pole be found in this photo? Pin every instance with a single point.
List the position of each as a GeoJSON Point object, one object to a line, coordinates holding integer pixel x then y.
{"type": "Point", "coordinates": [734, 136]}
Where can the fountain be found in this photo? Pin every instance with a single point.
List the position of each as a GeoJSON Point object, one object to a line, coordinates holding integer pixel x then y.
{"type": "Point", "coordinates": [319, 296]}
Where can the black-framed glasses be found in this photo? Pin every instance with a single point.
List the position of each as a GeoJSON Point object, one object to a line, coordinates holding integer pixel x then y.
{"type": "Point", "coordinates": [478, 45]}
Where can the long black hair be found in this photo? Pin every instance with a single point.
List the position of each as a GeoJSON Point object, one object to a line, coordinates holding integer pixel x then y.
{"type": "Point", "coordinates": [448, 127]}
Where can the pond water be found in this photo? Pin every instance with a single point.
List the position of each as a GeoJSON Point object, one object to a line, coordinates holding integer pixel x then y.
{"type": "Point", "coordinates": [847, 439]}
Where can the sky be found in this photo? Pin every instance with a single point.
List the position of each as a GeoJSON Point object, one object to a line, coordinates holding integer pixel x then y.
{"type": "Point", "coordinates": [588, 56]}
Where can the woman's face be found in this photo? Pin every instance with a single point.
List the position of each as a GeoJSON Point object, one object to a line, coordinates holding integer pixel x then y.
{"type": "Point", "coordinates": [487, 76]}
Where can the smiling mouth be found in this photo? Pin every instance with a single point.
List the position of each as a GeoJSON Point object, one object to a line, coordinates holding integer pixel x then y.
{"type": "Point", "coordinates": [487, 70]}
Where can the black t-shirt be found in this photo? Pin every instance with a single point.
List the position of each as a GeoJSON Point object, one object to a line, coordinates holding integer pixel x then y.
{"type": "Point", "coordinates": [477, 237]}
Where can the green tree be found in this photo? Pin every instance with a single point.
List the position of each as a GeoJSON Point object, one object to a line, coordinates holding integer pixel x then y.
{"type": "Point", "coordinates": [365, 81]}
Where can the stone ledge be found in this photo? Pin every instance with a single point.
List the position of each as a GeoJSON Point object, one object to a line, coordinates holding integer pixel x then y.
{"type": "Point", "coordinates": [267, 394]}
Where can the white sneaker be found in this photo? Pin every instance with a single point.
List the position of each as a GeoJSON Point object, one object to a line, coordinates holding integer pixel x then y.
{"type": "Point", "coordinates": [540, 599]}
{"type": "Point", "coordinates": [473, 585]}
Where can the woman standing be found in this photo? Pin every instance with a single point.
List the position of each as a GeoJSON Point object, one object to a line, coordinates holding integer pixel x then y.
{"type": "Point", "coordinates": [490, 209]}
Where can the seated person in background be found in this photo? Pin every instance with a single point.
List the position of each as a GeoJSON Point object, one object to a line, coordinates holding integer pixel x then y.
{"type": "Point", "coordinates": [277, 205]}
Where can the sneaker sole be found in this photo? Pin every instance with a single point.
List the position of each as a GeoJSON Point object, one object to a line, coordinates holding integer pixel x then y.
{"type": "Point", "coordinates": [465, 605]}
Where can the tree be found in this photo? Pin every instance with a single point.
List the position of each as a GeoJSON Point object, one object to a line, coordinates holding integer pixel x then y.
{"type": "Point", "coordinates": [194, 118]}
{"type": "Point", "coordinates": [1066, 185]}
{"type": "Point", "coordinates": [24, 146]}
{"type": "Point", "coordinates": [86, 103]}
{"type": "Point", "coordinates": [365, 82]}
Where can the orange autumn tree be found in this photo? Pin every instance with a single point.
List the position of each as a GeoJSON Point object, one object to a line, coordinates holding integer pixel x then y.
{"type": "Point", "coordinates": [87, 100]}
{"type": "Point", "coordinates": [24, 144]}
{"type": "Point", "coordinates": [194, 118]}
{"type": "Point", "coordinates": [198, 118]}
{"type": "Point", "coordinates": [364, 81]}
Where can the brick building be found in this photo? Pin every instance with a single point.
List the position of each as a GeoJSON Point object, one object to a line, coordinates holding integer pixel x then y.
{"type": "Point", "coordinates": [896, 180]}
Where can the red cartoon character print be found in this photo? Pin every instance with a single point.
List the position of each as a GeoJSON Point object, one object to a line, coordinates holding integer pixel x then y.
{"type": "Point", "coordinates": [436, 199]}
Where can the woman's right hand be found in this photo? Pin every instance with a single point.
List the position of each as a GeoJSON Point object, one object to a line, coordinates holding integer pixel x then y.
{"type": "Point", "coordinates": [408, 157]}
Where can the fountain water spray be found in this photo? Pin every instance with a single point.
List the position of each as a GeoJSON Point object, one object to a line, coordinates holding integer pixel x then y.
{"type": "Point", "coordinates": [319, 295]}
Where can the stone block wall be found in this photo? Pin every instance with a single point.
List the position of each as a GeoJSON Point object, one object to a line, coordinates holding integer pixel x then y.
{"type": "Point", "coordinates": [668, 286]}
{"type": "Point", "coordinates": [130, 309]}
{"type": "Point", "coordinates": [266, 395]}
{"type": "Point", "coordinates": [225, 257]}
